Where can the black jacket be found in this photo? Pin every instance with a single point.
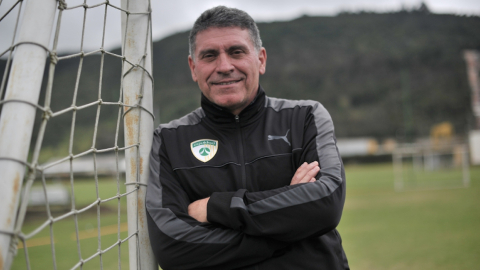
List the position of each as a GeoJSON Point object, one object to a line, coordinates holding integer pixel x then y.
{"type": "Point", "coordinates": [257, 220]}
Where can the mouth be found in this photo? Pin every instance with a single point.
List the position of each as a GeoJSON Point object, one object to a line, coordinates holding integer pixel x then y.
{"type": "Point", "coordinates": [227, 82]}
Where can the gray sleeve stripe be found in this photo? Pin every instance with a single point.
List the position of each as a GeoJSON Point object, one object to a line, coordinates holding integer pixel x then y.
{"type": "Point", "coordinates": [279, 104]}
{"type": "Point", "coordinates": [302, 194]}
{"type": "Point", "coordinates": [331, 177]}
{"type": "Point", "coordinates": [192, 118]}
{"type": "Point", "coordinates": [180, 230]}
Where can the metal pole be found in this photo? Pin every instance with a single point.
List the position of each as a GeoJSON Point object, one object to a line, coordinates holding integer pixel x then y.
{"type": "Point", "coordinates": [18, 115]}
{"type": "Point", "coordinates": [397, 169]}
{"type": "Point", "coordinates": [138, 125]}
{"type": "Point", "coordinates": [465, 166]}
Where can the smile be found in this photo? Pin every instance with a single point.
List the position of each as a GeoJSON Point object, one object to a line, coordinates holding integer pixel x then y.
{"type": "Point", "coordinates": [227, 83]}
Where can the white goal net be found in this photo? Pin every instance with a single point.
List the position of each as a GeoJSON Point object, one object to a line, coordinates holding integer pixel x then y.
{"type": "Point", "coordinates": [75, 135]}
{"type": "Point", "coordinates": [430, 166]}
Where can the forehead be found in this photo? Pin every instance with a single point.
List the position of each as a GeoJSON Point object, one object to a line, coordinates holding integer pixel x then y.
{"type": "Point", "coordinates": [222, 37]}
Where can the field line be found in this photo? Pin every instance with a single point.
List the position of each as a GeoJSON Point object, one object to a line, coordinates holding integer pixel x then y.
{"type": "Point", "coordinates": [106, 230]}
{"type": "Point", "coordinates": [41, 241]}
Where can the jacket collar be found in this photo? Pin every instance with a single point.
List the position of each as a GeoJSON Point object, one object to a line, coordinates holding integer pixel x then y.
{"type": "Point", "coordinates": [221, 115]}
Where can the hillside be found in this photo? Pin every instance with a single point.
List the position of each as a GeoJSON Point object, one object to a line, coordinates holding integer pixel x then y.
{"type": "Point", "coordinates": [371, 71]}
{"type": "Point", "coordinates": [381, 75]}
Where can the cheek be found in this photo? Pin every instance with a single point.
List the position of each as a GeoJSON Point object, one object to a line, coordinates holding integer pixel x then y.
{"type": "Point", "coordinates": [203, 72]}
{"type": "Point", "coordinates": [250, 68]}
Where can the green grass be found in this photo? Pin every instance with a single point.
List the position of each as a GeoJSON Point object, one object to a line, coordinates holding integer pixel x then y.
{"type": "Point", "coordinates": [64, 231]}
{"type": "Point", "coordinates": [416, 229]}
{"type": "Point", "coordinates": [381, 229]}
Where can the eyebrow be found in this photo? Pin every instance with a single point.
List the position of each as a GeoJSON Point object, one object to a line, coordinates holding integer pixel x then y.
{"type": "Point", "coordinates": [229, 50]}
{"type": "Point", "coordinates": [202, 53]}
{"type": "Point", "coordinates": [238, 47]}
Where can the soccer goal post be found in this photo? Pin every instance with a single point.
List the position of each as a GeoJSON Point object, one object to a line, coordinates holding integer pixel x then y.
{"type": "Point", "coordinates": [24, 120]}
{"type": "Point", "coordinates": [427, 166]}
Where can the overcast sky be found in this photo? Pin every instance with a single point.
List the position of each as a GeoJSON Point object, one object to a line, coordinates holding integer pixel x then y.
{"type": "Point", "coordinates": [173, 16]}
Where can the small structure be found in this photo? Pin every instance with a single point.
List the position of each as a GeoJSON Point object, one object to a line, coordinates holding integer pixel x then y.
{"type": "Point", "coordinates": [102, 165]}
{"type": "Point", "coordinates": [473, 69]}
{"type": "Point", "coordinates": [57, 195]}
{"type": "Point", "coordinates": [474, 141]}
{"type": "Point", "coordinates": [357, 147]}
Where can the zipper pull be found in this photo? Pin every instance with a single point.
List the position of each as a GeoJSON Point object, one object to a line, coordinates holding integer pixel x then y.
{"type": "Point", "coordinates": [237, 119]}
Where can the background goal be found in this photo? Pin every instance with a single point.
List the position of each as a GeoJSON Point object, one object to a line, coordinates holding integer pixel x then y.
{"type": "Point", "coordinates": [74, 148]}
{"type": "Point", "coordinates": [431, 166]}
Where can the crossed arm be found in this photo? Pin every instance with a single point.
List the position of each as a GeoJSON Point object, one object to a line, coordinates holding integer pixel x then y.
{"type": "Point", "coordinates": [243, 227]}
{"type": "Point", "coordinates": [305, 174]}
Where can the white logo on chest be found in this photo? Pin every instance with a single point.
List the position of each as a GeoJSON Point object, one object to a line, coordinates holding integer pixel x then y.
{"type": "Point", "coordinates": [204, 149]}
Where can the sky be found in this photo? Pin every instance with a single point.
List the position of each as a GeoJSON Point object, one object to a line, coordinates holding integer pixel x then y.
{"type": "Point", "coordinates": [169, 17]}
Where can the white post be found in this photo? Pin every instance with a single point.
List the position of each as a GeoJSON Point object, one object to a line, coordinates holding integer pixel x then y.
{"type": "Point", "coordinates": [397, 169]}
{"type": "Point", "coordinates": [465, 167]}
{"type": "Point", "coordinates": [473, 67]}
{"type": "Point", "coordinates": [138, 125]}
{"type": "Point", "coordinates": [17, 118]}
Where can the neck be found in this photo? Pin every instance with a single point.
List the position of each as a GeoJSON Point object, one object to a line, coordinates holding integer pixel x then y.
{"type": "Point", "coordinates": [237, 111]}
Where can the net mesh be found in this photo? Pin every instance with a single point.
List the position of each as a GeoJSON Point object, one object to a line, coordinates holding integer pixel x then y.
{"type": "Point", "coordinates": [80, 181]}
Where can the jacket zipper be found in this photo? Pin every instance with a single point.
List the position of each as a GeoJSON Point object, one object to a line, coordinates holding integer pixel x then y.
{"type": "Point", "coordinates": [240, 148]}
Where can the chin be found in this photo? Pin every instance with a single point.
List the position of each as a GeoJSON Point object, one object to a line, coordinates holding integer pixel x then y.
{"type": "Point", "coordinates": [229, 101]}
{"type": "Point", "coordinates": [228, 105]}
{"type": "Point", "coordinates": [231, 105]}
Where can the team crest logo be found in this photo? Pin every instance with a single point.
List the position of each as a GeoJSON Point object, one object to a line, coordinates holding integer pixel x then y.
{"type": "Point", "coordinates": [204, 149]}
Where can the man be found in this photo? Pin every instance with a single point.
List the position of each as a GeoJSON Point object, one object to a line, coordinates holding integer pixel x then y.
{"type": "Point", "coordinates": [236, 184]}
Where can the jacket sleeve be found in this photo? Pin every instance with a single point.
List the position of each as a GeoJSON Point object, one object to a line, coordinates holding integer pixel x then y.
{"type": "Point", "coordinates": [179, 241]}
{"type": "Point", "coordinates": [293, 212]}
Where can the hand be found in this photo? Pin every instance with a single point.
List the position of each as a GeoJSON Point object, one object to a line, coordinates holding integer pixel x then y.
{"type": "Point", "coordinates": [198, 210]}
{"type": "Point", "coordinates": [305, 173]}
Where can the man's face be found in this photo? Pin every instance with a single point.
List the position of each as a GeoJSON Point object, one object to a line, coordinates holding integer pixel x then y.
{"type": "Point", "coordinates": [227, 67]}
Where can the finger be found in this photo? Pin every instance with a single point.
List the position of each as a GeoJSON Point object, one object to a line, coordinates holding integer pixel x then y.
{"type": "Point", "coordinates": [302, 171]}
{"type": "Point", "coordinates": [303, 175]}
{"type": "Point", "coordinates": [299, 174]}
{"type": "Point", "coordinates": [310, 174]}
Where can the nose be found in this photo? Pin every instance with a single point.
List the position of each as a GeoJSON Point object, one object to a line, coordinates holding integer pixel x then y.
{"type": "Point", "coordinates": [224, 65]}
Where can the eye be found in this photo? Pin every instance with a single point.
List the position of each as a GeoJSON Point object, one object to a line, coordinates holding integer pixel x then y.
{"type": "Point", "coordinates": [208, 56]}
{"type": "Point", "coordinates": [237, 53]}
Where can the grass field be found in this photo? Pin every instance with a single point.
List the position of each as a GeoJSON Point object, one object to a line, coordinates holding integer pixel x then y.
{"type": "Point", "coordinates": [381, 228]}
{"type": "Point", "coordinates": [416, 229]}
{"type": "Point", "coordinates": [66, 250]}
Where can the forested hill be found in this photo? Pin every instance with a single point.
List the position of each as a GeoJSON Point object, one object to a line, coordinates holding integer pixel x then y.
{"type": "Point", "coordinates": [381, 75]}
{"type": "Point", "coordinates": [377, 74]}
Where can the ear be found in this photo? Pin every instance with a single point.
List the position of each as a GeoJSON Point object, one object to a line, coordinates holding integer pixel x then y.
{"type": "Point", "coordinates": [262, 57]}
{"type": "Point", "coordinates": [191, 64]}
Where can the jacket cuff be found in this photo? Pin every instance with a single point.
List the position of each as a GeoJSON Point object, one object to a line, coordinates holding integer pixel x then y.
{"type": "Point", "coordinates": [218, 208]}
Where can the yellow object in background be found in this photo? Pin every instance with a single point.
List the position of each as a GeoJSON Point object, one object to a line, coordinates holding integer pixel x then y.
{"type": "Point", "coordinates": [441, 134]}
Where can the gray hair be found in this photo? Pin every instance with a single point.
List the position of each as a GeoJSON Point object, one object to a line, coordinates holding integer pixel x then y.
{"type": "Point", "coordinates": [222, 16]}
